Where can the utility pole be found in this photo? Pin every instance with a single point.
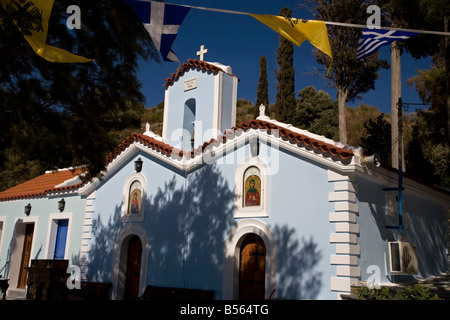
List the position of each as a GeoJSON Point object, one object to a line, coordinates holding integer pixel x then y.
{"type": "Point", "coordinates": [396, 93]}
{"type": "Point", "coordinates": [399, 188]}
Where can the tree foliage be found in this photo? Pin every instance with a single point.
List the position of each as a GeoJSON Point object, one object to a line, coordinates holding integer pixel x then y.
{"type": "Point", "coordinates": [317, 112]}
{"type": "Point", "coordinates": [428, 153]}
{"type": "Point", "coordinates": [262, 92]}
{"type": "Point", "coordinates": [377, 138]}
{"type": "Point", "coordinates": [245, 110]}
{"type": "Point", "coordinates": [285, 97]}
{"type": "Point", "coordinates": [417, 14]}
{"type": "Point", "coordinates": [59, 115]}
{"type": "Point", "coordinates": [412, 292]}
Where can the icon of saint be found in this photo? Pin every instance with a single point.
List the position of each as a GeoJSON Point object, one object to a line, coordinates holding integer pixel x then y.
{"type": "Point", "coordinates": [252, 196]}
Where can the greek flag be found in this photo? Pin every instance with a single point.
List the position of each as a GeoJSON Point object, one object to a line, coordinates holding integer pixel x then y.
{"type": "Point", "coordinates": [162, 22]}
{"type": "Point", "coordinates": [372, 39]}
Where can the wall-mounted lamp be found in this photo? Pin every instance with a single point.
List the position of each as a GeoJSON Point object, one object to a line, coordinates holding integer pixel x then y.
{"type": "Point", "coordinates": [27, 209]}
{"type": "Point", "coordinates": [61, 205]}
{"type": "Point", "coordinates": [138, 165]}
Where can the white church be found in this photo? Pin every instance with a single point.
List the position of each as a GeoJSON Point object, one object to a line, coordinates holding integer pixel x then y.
{"type": "Point", "coordinates": [254, 211]}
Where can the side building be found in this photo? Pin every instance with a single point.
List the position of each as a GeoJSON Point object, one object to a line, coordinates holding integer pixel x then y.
{"type": "Point", "coordinates": [40, 219]}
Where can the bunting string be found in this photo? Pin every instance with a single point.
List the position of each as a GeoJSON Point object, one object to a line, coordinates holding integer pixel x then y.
{"type": "Point", "coordinates": [343, 24]}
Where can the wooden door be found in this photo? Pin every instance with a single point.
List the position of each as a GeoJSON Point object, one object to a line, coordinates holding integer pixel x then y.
{"type": "Point", "coordinates": [252, 270]}
{"type": "Point", "coordinates": [133, 268]}
{"type": "Point", "coordinates": [26, 255]}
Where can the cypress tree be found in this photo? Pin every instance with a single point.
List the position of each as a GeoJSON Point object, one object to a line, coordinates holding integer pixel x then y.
{"type": "Point", "coordinates": [285, 99]}
{"type": "Point", "coordinates": [262, 92]}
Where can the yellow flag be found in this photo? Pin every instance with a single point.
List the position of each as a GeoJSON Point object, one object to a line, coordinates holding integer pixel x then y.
{"type": "Point", "coordinates": [31, 18]}
{"type": "Point", "coordinates": [298, 30]}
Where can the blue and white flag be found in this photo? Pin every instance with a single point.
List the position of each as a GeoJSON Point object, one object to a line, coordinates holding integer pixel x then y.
{"type": "Point", "coordinates": [372, 39]}
{"type": "Point", "coordinates": [162, 22]}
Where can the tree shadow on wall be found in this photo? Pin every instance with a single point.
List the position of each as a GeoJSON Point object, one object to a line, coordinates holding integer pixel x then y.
{"type": "Point", "coordinates": [187, 222]}
{"type": "Point", "coordinates": [102, 246]}
{"type": "Point", "coordinates": [297, 277]}
{"type": "Point", "coordinates": [209, 218]}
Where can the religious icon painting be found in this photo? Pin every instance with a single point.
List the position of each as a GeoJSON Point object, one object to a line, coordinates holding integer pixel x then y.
{"type": "Point", "coordinates": [135, 196]}
{"type": "Point", "coordinates": [252, 187]}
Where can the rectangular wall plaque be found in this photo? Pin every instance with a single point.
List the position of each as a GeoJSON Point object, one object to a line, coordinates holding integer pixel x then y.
{"type": "Point", "coordinates": [190, 84]}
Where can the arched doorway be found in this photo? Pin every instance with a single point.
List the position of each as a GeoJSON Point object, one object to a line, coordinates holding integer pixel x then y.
{"type": "Point", "coordinates": [133, 271]}
{"type": "Point", "coordinates": [252, 268]}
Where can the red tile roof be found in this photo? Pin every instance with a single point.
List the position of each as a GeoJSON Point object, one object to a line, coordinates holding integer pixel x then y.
{"type": "Point", "coordinates": [43, 184]}
{"type": "Point", "coordinates": [169, 151]}
{"type": "Point", "coordinates": [191, 63]}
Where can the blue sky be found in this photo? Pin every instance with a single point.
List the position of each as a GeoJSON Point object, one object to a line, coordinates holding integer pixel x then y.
{"type": "Point", "coordinates": [239, 41]}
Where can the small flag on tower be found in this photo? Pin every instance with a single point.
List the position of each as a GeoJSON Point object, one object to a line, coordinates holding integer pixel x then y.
{"type": "Point", "coordinates": [372, 39]}
{"type": "Point", "coordinates": [162, 22]}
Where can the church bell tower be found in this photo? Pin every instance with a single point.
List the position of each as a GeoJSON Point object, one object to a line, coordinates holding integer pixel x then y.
{"type": "Point", "coordinates": [200, 103]}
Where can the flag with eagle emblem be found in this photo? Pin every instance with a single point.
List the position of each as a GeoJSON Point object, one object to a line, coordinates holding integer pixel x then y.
{"type": "Point", "coordinates": [31, 18]}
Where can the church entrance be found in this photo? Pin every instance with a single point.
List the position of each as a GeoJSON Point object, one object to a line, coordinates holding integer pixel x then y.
{"type": "Point", "coordinates": [133, 272]}
{"type": "Point", "coordinates": [252, 268]}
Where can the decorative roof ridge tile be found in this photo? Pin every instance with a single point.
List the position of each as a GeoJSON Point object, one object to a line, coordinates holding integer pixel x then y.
{"type": "Point", "coordinates": [302, 136]}
{"type": "Point", "coordinates": [192, 63]}
{"type": "Point", "coordinates": [285, 133]}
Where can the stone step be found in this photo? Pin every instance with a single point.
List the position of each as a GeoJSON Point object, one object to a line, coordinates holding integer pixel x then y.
{"type": "Point", "coordinates": [16, 294]}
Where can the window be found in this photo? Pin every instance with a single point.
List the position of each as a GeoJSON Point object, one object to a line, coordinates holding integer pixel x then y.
{"type": "Point", "coordinates": [133, 203]}
{"type": "Point", "coordinates": [252, 189]}
{"type": "Point", "coordinates": [189, 125]}
{"type": "Point", "coordinates": [61, 239]}
{"type": "Point", "coordinates": [58, 236]}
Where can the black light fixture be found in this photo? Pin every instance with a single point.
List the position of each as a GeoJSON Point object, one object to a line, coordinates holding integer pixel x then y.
{"type": "Point", "coordinates": [27, 209]}
{"type": "Point", "coordinates": [61, 205]}
{"type": "Point", "coordinates": [138, 165]}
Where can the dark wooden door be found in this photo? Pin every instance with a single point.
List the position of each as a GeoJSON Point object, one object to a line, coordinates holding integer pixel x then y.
{"type": "Point", "coordinates": [26, 255]}
{"type": "Point", "coordinates": [252, 270]}
{"type": "Point", "coordinates": [133, 268]}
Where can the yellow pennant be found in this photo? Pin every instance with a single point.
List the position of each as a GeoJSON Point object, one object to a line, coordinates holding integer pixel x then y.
{"type": "Point", "coordinates": [298, 30]}
{"type": "Point", "coordinates": [31, 18]}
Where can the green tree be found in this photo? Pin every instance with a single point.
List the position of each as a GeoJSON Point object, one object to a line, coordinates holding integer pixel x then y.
{"type": "Point", "coordinates": [356, 119]}
{"type": "Point", "coordinates": [316, 112]}
{"type": "Point", "coordinates": [431, 87]}
{"type": "Point", "coordinates": [59, 115]}
{"type": "Point", "coordinates": [262, 92]}
{"type": "Point", "coordinates": [351, 77]}
{"type": "Point", "coordinates": [155, 117]}
{"type": "Point", "coordinates": [417, 14]}
{"type": "Point", "coordinates": [285, 97]}
{"type": "Point", "coordinates": [377, 138]}
{"type": "Point", "coordinates": [428, 154]}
